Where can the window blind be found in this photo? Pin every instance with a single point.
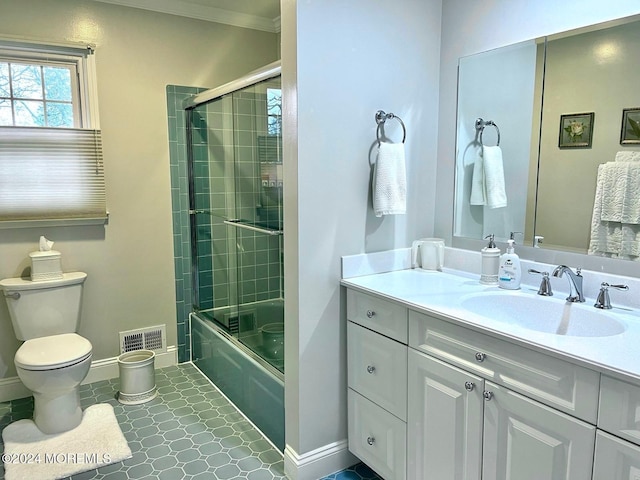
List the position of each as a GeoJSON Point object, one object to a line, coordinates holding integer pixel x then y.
{"type": "Point", "coordinates": [51, 174]}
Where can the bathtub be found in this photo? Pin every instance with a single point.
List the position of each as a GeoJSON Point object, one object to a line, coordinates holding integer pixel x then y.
{"type": "Point", "coordinates": [238, 367]}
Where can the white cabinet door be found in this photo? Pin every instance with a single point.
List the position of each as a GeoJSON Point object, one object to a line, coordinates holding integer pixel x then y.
{"type": "Point", "coordinates": [619, 411]}
{"type": "Point", "coordinates": [615, 459]}
{"type": "Point", "coordinates": [525, 440]}
{"type": "Point", "coordinates": [377, 438]}
{"type": "Point", "coordinates": [444, 423]}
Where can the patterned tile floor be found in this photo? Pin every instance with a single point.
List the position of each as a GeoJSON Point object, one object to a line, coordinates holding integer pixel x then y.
{"type": "Point", "coordinates": [190, 431]}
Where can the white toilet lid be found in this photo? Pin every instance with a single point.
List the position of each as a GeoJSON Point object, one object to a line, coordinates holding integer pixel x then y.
{"type": "Point", "coordinates": [55, 351]}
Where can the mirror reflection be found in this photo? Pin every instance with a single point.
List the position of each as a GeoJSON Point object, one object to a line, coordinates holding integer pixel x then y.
{"type": "Point", "coordinates": [565, 107]}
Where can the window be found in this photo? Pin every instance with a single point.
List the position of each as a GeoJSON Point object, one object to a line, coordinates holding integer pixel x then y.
{"type": "Point", "coordinates": [274, 111]}
{"type": "Point", "coordinates": [38, 94]}
{"type": "Point", "coordinates": [51, 169]}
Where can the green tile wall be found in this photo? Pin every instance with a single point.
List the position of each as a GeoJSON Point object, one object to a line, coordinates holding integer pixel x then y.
{"type": "Point", "coordinates": [229, 170]}
{"type": "Point", "coordinates": [180, 211]}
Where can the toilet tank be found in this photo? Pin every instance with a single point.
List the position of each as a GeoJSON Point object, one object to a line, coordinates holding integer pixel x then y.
{"type": "Point", "coordinates": [48, 307]}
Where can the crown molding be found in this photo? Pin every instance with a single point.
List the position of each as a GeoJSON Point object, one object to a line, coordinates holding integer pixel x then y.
{"type": "Point", "coordinates": [203, 12]}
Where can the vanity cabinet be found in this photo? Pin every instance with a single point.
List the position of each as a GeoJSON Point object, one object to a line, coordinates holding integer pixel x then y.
{"type": "Point", "coordinates": [377, 380]}
{"type": "Point", "coordinates": [462, 427]}
{"type": "Point", "coordinates": [431, 399]}
{"type": "Point", "coordinates": [554, 382]}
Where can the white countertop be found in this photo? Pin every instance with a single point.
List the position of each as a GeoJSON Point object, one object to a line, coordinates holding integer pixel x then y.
{"type": "Point", "coordinates": [439, 294]}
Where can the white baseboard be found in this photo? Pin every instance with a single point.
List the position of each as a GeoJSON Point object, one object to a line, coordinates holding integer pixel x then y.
{"type": "Point", "coordinates": [11, 388]}
{"type": "Point", "coordinates": [318, 463]}
{"type": "Point", "coordinates": [104, 369]}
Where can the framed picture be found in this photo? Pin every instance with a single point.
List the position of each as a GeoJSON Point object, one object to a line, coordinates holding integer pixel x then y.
{"type": "Point", "coordinates": [630, 131]}
{"type": "Point", "coordinates": [576, 130]}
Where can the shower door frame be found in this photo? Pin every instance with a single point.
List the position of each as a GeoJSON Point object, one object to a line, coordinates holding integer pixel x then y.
{"type": "Point", "coordinates": [268, 72]}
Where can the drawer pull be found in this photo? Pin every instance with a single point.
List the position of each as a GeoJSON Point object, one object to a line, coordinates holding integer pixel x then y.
{"type": "Point", "coordinates": [371, 440]}
{"type": "Point", "coordinates": [469, 386]}
{"type": "Point", "coordinates": [370, 313]}
{"type": "Point", "coordinates": [480, 357]}
{"type": "Point", "coordinates": [487, 395]}
{"type": "Point", "coordinates": [371, 368]}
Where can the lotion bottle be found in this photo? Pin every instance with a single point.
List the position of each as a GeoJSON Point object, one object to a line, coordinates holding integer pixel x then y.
{"type": "Point", "coordinates": [490, 262]}
{"type": "Point", "coordinates": [510, 273]}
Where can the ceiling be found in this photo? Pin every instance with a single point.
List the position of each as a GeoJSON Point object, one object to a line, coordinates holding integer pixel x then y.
{"type": "Point", "coordinates": [255, 14]}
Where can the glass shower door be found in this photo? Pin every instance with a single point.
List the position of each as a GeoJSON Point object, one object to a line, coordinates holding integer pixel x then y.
{"type": "Point", "coordinates": [259, 226]}
{"type": "Point", "coordinates": [236, 216]}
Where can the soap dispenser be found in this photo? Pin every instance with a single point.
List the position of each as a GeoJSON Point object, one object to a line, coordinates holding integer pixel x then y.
{"type": "Point", "coordinates": [490, 262]}
{"type": "Point", "coordinates": [510, 272]}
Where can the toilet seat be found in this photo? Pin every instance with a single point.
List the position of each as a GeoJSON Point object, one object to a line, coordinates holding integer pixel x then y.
{"type": "Point", "coordinates": [53, 352]}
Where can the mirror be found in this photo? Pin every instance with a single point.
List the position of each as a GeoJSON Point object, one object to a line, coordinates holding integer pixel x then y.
{"type": "Point", "coordinates": [563, 105]}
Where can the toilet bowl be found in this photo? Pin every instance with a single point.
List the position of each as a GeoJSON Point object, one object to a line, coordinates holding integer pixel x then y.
{"type": "Point", "coordinates": [52, 368]}
{"type": "Point", "coordinates": [53, 360]}
{"type": "Point", "coordinates": [273, 340]}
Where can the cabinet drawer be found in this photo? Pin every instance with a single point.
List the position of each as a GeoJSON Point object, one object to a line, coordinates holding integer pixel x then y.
{"type": "Point", "coordinates": [615, 459]}
{"type": "Point", "coordinates": [377, 437]}
{"type": "Point", "coordinates": [554, 382]}
{"type": "Point", "coordinates": [380, 315]}
{"type": "Point", "coordinates": [619, 412]}
{"type": "Point", "coordinates": [377, 369]}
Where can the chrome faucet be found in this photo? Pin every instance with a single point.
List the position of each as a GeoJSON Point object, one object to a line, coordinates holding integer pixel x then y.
{"type": "Point", "coordinates": [575, 282]}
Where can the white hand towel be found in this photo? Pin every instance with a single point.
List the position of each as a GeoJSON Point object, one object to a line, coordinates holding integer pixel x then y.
{"type": "Point", "coordinates": [494, 177]}
{"type": "Point", "coordinates": [478, 194]}
{"type": "Point", "coordinates": [389, 180]}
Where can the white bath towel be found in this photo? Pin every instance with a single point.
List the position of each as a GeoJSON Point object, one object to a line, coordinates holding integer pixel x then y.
{"type": "Point", "coordinates": [487, 187]}
{"type": "Point", "coordinates": [611, 238]}
{"type": "Point", "coordinates": [390, 180]}
{"type": "Point", "coordinates": [620, 192]}
{"type": "Point", "coordinates": [627, 156]}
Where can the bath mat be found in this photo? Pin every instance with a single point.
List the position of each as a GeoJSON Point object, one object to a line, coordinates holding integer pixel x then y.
{"type": "Point", "coordinates": [97, 441]}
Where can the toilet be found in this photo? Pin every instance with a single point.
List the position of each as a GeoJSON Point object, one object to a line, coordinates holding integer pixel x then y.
{"type": "Point", "coordinates": [53, 360]}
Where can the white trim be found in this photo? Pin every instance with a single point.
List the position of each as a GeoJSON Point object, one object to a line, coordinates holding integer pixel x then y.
{"type": "Point", "coordinates": [318, 463]}
{"type": "Point", "coordinates": [203, 12]}
{"type": "Point", "coordinates": [104, 369]}
{"type": "Point", "coordinates": [12, 388]}
{"type": "Point", "coordinates": [90, 89]}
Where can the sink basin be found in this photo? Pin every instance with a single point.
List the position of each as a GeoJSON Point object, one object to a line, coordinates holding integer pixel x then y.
{"type": "Point", "coordinates": [544, 314]}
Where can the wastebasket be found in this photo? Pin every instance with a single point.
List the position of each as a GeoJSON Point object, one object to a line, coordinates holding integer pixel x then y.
{"type": "Point", "coordinates": [137, 377]}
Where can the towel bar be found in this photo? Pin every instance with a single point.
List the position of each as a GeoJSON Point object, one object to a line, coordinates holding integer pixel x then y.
{"type": "Point", "coordinates": [480, 124]}
{"type": "Point", "coordinates": [381, 117]}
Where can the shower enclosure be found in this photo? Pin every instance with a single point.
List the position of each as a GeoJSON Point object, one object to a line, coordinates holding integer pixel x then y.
{"type": "Point", "coordinates": [236, 229]}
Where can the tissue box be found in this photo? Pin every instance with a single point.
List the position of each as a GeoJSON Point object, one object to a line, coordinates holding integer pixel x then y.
{"type": "Point", "coordinates": [46, 265]}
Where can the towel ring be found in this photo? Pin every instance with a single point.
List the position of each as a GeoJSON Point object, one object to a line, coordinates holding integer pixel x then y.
{"type": "Point", "coordinates": [382, 117]}
{"type": "Point", "coordinates": [480, 124]}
